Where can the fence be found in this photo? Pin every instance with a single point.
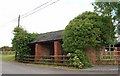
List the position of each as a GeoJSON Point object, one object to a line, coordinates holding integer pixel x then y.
{"type": "Point", "coordinates": [110, 57]}
{"type": "Point", "coordinates": [61, 60]}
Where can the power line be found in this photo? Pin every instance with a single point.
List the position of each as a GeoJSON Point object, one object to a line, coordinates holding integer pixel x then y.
{"type": "Point", "coordinates": [39, 9]}
{"type": "Point", "coordinates": [32, 11]}
{"type": "Point", "coordinates": [22, 16]}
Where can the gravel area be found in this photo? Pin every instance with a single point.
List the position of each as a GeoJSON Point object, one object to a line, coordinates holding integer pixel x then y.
{"type": "Point", "coordinates": [103, 68]}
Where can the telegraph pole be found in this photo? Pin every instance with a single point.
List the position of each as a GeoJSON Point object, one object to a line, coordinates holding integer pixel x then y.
{"type": "Point", "coordinates": [16, 54]}
{"type": "Point", "coordinates": [19, 21]}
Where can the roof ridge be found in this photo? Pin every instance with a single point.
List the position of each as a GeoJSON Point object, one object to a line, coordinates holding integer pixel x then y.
{"type": "Point", "coordinates": [51, 32]}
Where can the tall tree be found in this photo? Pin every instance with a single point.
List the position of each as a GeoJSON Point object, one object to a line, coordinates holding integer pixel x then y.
{"type": "Point", "coordinates": [21, 40]}
{"type": "Point", "coordinates": [110, 9]}
{"type": "Point", "coordinates": [86, 30]}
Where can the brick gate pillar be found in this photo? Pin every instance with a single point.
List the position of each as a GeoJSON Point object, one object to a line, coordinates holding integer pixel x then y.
{"type": "Point", "coordinates": [116, 54]}
{"type": "Point", "coordinates": [37, 51]}
{"type": "Point", "coordinates": [57, 50]}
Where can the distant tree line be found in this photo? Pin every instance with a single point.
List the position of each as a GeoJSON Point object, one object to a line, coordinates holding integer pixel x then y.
{"type": "Point", "coordinates": [6, 48]}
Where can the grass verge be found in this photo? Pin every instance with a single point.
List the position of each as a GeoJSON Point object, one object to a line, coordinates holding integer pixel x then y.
{"type": "Point", "coordinates": [8, 57]}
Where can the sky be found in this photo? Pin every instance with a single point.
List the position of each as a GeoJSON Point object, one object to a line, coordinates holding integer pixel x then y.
{"type": "Point", "coordinates": [52, 18]}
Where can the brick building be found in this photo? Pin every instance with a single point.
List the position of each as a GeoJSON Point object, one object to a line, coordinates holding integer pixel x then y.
{"type": "Point", "coordinates": [48, 44]}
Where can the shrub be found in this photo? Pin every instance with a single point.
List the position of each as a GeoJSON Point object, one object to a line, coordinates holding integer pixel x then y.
{"type": "Point", "coordinates": [78, 59]}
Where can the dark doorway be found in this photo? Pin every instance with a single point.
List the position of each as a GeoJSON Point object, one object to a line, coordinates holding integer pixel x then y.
{"type": "Point", "coordinates": [32, 47]}
{"type": "Point", "coordinates": [51, 47]}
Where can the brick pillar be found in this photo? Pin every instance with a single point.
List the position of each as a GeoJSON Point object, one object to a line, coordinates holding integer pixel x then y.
{"type": "Point", "coordinates": [116, 55]}
{"type": "Point", "coordinates": [57, 50]}
{"type": "Point", "coordinates": [37, 51]}
{"type": "Point", "coordinates": [102, 53]}
{"type": "Point", "coordinates": [91, 54]}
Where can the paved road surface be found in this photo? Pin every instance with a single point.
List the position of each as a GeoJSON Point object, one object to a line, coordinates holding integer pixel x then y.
{"type": "Point", "coordinates": [20, 68]}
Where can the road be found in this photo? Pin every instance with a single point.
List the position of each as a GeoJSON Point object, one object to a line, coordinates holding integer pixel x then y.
{"type": "Point", "coordinates": [20, 68]}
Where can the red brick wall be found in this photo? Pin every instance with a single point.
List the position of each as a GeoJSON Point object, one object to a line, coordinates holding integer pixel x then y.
{"type": "Point", "coordinates": [57, 50]}
{"type": "Point", "coordinates": [94, 54]}
{"type": "Point", "coordinates": [44, 49]}
{"type": "Point", "coordinates": [40, 50]}
{"type": "Point", "coordinates": [37, 51]}
{"type": "Point", "coordinates": [91, 54]}
{"type": "Point", "coordinates": [118, 48]}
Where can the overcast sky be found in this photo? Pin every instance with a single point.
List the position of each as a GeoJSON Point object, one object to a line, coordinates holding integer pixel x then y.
{"type": "Point", "coordinates": [52, 18]}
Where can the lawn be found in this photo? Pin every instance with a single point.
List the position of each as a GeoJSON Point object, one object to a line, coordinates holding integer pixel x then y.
{"type": "Point", "coordinates": [8, 57]}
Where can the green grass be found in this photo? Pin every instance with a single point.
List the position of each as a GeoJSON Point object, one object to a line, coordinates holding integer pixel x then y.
{"type": "Point", "coordinates": [8, 57]}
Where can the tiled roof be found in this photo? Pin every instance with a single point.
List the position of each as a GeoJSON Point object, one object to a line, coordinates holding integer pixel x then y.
{"type": "Point", "coordinates": [49, 36]}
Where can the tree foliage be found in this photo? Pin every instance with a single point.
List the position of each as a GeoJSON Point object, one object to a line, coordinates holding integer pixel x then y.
{"type": "Point", "coordinates": [6, 48]}
{"type": "Point", "coordinates": [87, 30]}
{"type": "Point", "coordinates": [111, 9]}
{"type": "Point", "coordinates": [21, 40]}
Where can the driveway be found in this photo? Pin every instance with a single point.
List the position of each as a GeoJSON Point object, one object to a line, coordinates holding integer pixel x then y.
{"type": "Point", "coordinates": [20, 68]}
